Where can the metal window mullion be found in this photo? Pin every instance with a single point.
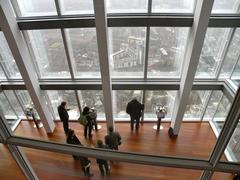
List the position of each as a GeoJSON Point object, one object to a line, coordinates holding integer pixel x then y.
{"type": "Point", "coordinates": [70, 66]}
{"type": "Point", "coordinates": [146, 52]}
{"type": "Point", "coordinates": [5, 73]}
{"type": "Point", "coordinates": [10, 104]}
{"type": "Point", "coordinates": [32, 54]}
{"type": "Point", "coordinates": [143, 102]}
{"type": "Point", "coordinates": [58, 7]}
{"type": "Point", "coordinates": [16, 8]}
{"type": "Point", "coordinates": [206, 105]}
{"type": "Point", "coordinates": [235, 66]}
{"type": "Point", "coordinates": [149, 6]}
{"type": "Point", "coordinates": [224, 52]}
{"type": "Point", "coordinates": [78, 101]}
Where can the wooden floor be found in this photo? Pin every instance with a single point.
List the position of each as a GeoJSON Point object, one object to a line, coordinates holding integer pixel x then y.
{"type": "Point", "coordinates": [195, 140]}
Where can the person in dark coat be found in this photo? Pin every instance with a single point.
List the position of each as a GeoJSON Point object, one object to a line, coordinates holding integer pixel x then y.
{"type": "Point", "coordinates": [113, 139]}
{"type": "Point", "coordinates": [135, 109]}
{"type": "Point", "coordinates": [64, 117]}
{"type": "Point", "coordinates": [89, 126]}
{"type": "Point", "coordinates": [102, 163]}
{"type": "Point", "coordinates": [84, 161]}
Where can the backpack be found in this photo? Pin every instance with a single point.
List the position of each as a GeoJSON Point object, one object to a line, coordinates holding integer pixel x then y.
{"type": "Point", "coordinates": [82, 120]}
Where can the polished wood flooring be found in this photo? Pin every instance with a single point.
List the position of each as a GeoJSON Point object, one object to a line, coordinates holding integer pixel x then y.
{"type": "Point", "coordinates": [195, 140]}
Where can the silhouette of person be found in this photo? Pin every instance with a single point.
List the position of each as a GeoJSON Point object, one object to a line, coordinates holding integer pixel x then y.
{"type": "Point", "coordinates": [63, 114]}
{"type": "Point", "coordinates": [134, 109]}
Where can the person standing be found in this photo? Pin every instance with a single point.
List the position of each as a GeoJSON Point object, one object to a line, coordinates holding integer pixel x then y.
{"type": "Point", "coordinates": [84, 161]}
{"type": "Point", "coordinates": [135, 109]}
{"type": "Point", "coordinates": [113, 139]}
{"type": "Point", "coordinates": [102, 163]}
{"type": "Point", "coordinates": [63, 114]}
{"type": "Point", "coordinates": [89, 124]}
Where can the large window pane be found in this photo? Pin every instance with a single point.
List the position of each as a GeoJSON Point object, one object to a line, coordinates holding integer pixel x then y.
{"type": "Point", "coordinates": [221, 113]}
{"type": "Point", "coordinates": [69, 7]}
{"type": "Point", "coordinates": [93, 98]}
{"type": "Point", "coordinates": [49, 53]}
{"type": "Point", "coordinates": [173, 6]}
{"type": "Point", "coordinates": [236, 72]}
{"type": "Point", "coordinates": [196, 104]}
{"type": "Point", "coordinates": [2, 75]}
{"type": "Point", "coordinates": [226, 6]}
{"type": "Point", "coordinates": [232, 151]}
{"type": "Point", "coordinates": [120, 100]}
{"type": "Point", "coordinates": [56, 97]}
{"type": "Point", "coordinates": [166, 51]}
{"type": "Point", "coordinates": [127, 47]}
{"type": "Point", "coordinates": [36, 8]}
{"type": "Point", "coordinates": [6, 108]}
{"type": "Point", "coordinates": [212, 51]}
{"type": "Point", "coordinates": [84, 51]}
{"type": "Point", "coordinates": [6, 59]}
{"type": "Point", "coordinates": [24, 98]}
{"type": "Point", "coordinates": [232, 56]}
{"type": "Point", "coordinates": [15, 104]}
{"type": "Point", "coordinates": [125, 6]}
{"type": "Point", "coordinates": [156, 98]}
{"type": "Point", "coordinates": [212, 105]}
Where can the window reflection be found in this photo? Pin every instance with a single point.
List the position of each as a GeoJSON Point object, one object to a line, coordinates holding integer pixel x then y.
{"type": "Point", "coordinates": [196, 104]}
{"type": "Point", "coordinates": [120, 100]}
{"type": "Point", "coordinates": [36, 8]}
{"type": "Point", "coordinates": [123, 6]}
{"type": "Point", "coordinates": [212, 52]}
{"type": "Point", "coordinates": [6, 59]}
{"type": "Point", "coordinates": [56, 97]}
{"type": "Point", "coordinates": [49, 53]}
{"type": "Point", "coordinates": [166, 51]}
{"type": "Point", "coordinates": [93, 98]}
{"type": "Point", "coordinates": [127, 49]}
{"type": "Point", "coordinates": [83, 49]}
{"type": "Point", "coordinates": [156, 98]}
{"type": "Point", "coordinates": [69, 7]}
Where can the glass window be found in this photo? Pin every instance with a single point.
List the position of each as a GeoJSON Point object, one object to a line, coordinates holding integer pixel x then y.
{"type": "Point", "coordinates": [232, 151]}
{"type": "Point", "coordinates": [69, 7]}
{"type": "Point", "coordinates": [15, 104]}
{"type": "Point", "coordinates": [36, 8]}
{"type": "Point", "coordinates": [236, 72]}
{"type": "Point", "coordinates": [127, 49]}
{"type": "Point", "coordinates": [6, 59]}
{"type": "Point", "coordinates": [2, 75]}
{"type": "Point", "coordinates": [83, 49]}
{"type": "Point", "coordinates": [24, 98]}
{"type": "Point", "coordinates": [120, 100]}
{"type": "Point", "coordinates": [156, 98]}
{"type": "Point", "coordinates": [173, 6]}
{"type": "Point", "coordinates": [196, 104]}
{"type": "Point", "coordinates": [166, 51]}
{"type": "Point", "coordinates": [6, 108]}
{"type": "Point", "coordinates": [212, 52]}
{"type": "Point", "coordinates": [221, 113]}
{"type": "Point", "coordinates": [225, 6]}
{"type": "Point", "coordinates": [93, 98]}
{"type": "Point", "coordinates": [124, 6]}
{"type": "Point", "coordinates": [56, 97]}
{"type": "Point", "coordinates": [212, 105]}
{"type": "Point", "coordinates": [49, 53]}
{"type": "Point", "coordinates": [232, 56]}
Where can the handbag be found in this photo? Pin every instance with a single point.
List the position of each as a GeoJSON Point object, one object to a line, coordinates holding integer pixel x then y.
{"type": "Point", "coordinates": [82, 120]}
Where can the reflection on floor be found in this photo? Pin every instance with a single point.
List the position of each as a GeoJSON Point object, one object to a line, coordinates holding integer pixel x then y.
{"type": "Point", "coordinates": [195, 140]}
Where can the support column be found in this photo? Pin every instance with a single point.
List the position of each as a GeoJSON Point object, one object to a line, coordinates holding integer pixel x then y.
{"type": "Point", "coordinates": [18, 155]}
{"type": "Point", "coordinates": [193, 52]}
{"type": "Point", "coordinates": [102, 40]}
{"type": "Point", "coordinates": [22, 57]}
